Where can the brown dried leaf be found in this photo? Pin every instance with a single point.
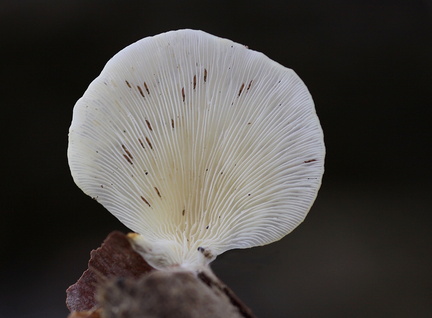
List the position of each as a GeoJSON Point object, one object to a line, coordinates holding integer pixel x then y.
{"type": "Point", "coordinates": [115, 258]}
{"type": "Point", "coordinates": [85, 314]}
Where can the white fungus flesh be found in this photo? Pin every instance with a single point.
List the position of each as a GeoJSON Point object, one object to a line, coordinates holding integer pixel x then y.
{"type": "Point", "coordinates": [199, 145]}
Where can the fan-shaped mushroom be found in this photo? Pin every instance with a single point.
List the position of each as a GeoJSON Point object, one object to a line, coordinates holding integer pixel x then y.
{"type": "Point", "coordinates": [199, 145]}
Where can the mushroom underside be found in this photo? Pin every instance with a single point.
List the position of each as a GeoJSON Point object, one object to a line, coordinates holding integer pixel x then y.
{"type": "Point", "coordinates": [199, 145]}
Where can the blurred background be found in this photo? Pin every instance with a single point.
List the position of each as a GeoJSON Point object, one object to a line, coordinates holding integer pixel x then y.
{"type": "Point", "coordinates": [364, 249]}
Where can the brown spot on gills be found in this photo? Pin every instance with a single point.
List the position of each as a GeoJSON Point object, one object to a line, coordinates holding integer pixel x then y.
{"type": "Point", "coordinates": [148, 125]}
{"type": "Point", "coordinates": [128, 159]}
{"type": "Point", "coordinates": [205, 252]}
{"type": "Point", "coordinates": [141, 143]}
{"type": "Point", "coordinates": [183, 94]}
{"type": "Point", "coordinates": [140, 90]}
{"type": "Point", "coordinates": [205, 75]}
{"type": "Point", "coordinates": [241, 89]}
{"type": "Point", "coordinates": [142, 198]}
{"type": "Point", "coordinates": [158, 193]}
{"type": "Point", "coordinates": [308, 161]}
{"type": "Point", "coordinates": [127, 83]}
{"type": "Point", "coordinates": [149, 143]}
{"type": "Point", "coordinates": [250, 83]}
{"type": "Point", "coordinates": [146, 88]}
{"type": "Point", "coordinates": [127, 151]}
{"type": "Point", "coordinates": [194, 82]}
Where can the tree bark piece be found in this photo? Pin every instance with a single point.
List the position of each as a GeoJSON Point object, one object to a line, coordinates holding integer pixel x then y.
{"type": "Point", "coordinates": [166, 294]}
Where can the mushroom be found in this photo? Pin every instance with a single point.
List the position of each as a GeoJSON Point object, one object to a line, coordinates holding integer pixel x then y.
{"type": "Point", "coordinates": [199, 145]}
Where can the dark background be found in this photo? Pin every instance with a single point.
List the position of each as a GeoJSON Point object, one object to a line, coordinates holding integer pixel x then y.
{"type": "Point", "coordinates": [365, 248]}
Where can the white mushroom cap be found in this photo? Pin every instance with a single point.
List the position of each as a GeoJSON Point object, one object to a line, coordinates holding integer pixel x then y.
{"type": "Point", "coordinates": [199, 145]}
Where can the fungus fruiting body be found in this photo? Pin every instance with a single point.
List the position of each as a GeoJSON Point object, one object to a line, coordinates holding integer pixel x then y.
{"type": "Point", "coordinates": [199, 145]}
